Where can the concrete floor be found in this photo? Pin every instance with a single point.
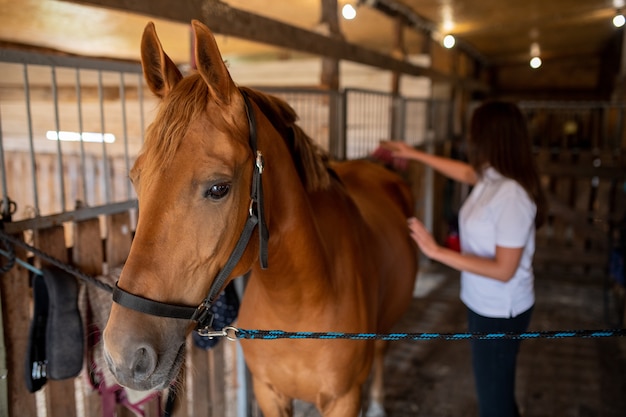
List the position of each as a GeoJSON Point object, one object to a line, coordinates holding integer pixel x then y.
{"type": "Point", "coordinates": [572, 377]}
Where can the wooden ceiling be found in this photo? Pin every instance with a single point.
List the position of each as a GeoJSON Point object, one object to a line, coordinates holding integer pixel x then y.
{"type": "Point", "coordinates": [502, 31]}
{"type": "Point", "coordinates": [499, 33]}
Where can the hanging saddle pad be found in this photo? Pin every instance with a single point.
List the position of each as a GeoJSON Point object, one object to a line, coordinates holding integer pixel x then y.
{"type": "Point", "coordinates": [55, 343]}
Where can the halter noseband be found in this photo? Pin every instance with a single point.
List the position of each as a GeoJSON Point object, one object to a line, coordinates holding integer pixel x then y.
{"type": "Point", "coordinates": [202, 314]}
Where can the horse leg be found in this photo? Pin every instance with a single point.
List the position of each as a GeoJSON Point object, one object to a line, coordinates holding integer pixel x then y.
{"type": "Point", "coordinates": [347, 406]}
{"type": "Point", "coordinates": [377, 388]}
{"type": "Point", "coordinates": [271, 402]}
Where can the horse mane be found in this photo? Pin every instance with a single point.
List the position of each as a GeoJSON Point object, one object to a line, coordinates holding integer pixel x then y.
{"type": "Point", "coordinates": [188, 101]}
{"type": "Point", "coordinates": [310, 160]}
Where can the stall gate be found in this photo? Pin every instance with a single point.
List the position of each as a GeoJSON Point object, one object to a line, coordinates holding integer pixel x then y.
{"type": "Point", "coordinates": [580, 150]}
{"type": "Point", "coordinates": [70, 130]}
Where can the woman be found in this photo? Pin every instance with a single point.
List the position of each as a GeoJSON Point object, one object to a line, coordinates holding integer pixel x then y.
{"type": "Point", "coordinates": [497, 225]}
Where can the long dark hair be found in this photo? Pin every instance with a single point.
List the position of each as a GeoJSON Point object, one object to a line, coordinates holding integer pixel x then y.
{"type": "Point", "coordinates": [499, 138]}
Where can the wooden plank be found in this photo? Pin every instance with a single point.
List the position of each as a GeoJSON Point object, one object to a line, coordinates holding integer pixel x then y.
{"type": "Point", "coordinates": [227, 20]}
{"type": "Point", "coordinates": [15, 293]}
{"type": "Point", "coordinates": [564, 168]}
{"type": "Point", "coordinates": [88, 256]}
{"type": "Point", "coordinates": [201, 386]}
{"type": "Point", "coordinates": [152, 408]}
{"type": "Point", "coordinates": [566, 256]}
{"type": "Point", "coordinates": [580, 215]}
{"type": "Point", "coordinates": [209, 385]}
{"type": "Point", "coordinates": [116, 252]}
{"type": "Point", "coordinates": [118, 238]}
{"type": "Point", "coordinates": [87, 252]}
{"type": "Point", "coordinates": [182, 388]}
{"type": "Point", "coordinates": [60, 398]}
{"type": "Point", "coordinates": [217, 376]}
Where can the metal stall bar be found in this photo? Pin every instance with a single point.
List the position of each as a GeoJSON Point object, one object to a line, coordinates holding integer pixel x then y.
{"type": "Point", "coordinates": [5, 211]}
{"type": "Point", "coordinates": [105, 162]}
{"type": "Point", "coordinates": [415, 121]}
{"type": "Point", "coordinates": [83, 163]}
{"type": "Point", "coordinates": [125, 132]}
{"type": "Point", "coordinates": [337, 125]}
{"type": "Point", "coordinates": [57, 126]}
{"type": "Point", "coordinates": [368, 120]}
{"type": "Point", "coordinates": [30, 60]}
{"type": "Point", "coordinates": [313, 108]}
{"type": "Point", "coordinates": [31, 143]}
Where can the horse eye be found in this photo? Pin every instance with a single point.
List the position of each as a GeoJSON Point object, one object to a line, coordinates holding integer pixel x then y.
{"type": "Point", "coordinates": [217, 191]}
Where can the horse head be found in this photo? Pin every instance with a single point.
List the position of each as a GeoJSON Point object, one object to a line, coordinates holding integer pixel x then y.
{"type": "Point", "coordinates": [193, 180]}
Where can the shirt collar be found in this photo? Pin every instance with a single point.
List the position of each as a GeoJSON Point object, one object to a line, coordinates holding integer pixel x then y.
{"type": "Point", "coordinates": [491, 174]}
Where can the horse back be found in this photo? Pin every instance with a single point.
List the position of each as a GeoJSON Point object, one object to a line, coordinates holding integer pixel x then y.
{"type": "Point", "coordinates": [384, 200]}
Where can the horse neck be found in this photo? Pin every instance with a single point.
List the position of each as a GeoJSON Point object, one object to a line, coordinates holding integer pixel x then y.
{"type": "Point", "coordinates": [304, 280]}
{"type": "Point", "coordinates": [295, 247]}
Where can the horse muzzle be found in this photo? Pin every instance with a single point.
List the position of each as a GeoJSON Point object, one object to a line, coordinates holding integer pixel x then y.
{"type": "Point", "coordinates": [145, 357]}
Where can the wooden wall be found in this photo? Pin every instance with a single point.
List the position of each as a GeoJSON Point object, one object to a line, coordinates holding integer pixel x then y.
{"type": "Point", "coordinates": [210, 379]}
{"type": "Point", "coordinates": [581, 153]}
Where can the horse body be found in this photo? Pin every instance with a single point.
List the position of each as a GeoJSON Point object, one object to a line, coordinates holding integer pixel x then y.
{"type": "Point", "coordinates": [339, 254]}
{"type": "Point", "coordinates": [338, 286]}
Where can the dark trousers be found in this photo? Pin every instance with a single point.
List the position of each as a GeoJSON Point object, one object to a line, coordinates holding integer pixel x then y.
{"type": "Point", "coordinates": [494, 363]}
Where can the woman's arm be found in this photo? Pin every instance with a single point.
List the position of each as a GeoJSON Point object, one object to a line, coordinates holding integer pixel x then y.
{"type": "Point", "coordinates": [451, 168]}
{"type": "Point", "coordinates": [501, 267]}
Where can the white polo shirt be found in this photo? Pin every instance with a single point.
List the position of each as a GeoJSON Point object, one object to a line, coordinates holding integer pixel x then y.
{"type": "Point", "coordinates": [499, 212]}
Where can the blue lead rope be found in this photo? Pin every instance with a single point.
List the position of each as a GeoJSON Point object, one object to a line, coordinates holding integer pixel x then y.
{"type": "Point", "coordinates": [233, 333]}
{"type": "Point", "coordinates": [279, 334]}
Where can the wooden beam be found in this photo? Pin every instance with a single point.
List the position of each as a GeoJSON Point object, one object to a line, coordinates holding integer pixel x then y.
{"type": "Point", "coordinates": [225, 20]}
{"type": "Point", "coordinates": [564, 169]}
{"type": "Point", "coordinates": [329, 20]}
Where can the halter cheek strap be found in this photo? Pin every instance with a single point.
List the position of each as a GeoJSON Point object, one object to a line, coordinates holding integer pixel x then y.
{"type": "Point", "coordinates": [202, 314]}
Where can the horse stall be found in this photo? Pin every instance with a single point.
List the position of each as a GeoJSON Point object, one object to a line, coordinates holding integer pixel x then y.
{"type": "Point", "coordinates": [579, 149]}
{"type": "Point", "coordinates": [68, 200]}
{"type": "Point", "coordinates": [84, 215]}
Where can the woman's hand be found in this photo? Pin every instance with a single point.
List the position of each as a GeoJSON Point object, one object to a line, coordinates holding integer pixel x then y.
{"type": "Point", "coordinates": [395, 153]}
{"type": "Point", "coordinates": [423, 238]}
{"type": "Point", "coordinates": [502, 267]}
{"type": "Point", "coordinates": [398, 149]}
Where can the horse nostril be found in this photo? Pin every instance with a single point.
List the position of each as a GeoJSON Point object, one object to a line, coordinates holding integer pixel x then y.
{"type": "Point", "coordinates": [144, 363]}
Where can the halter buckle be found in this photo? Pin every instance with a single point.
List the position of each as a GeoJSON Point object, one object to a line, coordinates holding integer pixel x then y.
{"type": "Point", "coordinates": [204, 317]}
{"type": "Point", "coordinates": [228, 332]}
{"type": "Point", "coordinates": [260, 161]}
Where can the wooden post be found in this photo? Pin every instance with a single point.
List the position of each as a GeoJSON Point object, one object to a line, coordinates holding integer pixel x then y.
{"type": "Point", "coordinates": [89, 258]}
{"type": "Point", "coordinates": [399, 53]}
{"type": "Point", "coordinates": [118, 238]}
{"type": "Point", "coordinates": [619, 90]}
{"type": "Point", "coordinates": [329, 26]}
{"type": "Point", "coordinates": [15, 293]}
{"type": "Point", "coordinates": [329, 79]}
{"type": "Point", "coordinates": [201, 389]}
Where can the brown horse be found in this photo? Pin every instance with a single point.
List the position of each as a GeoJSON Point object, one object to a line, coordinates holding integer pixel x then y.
{"type": "Point", "coordinates": [334, 237]}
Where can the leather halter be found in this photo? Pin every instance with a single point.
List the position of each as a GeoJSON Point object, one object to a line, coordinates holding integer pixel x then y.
{"type": "Point", "coordinates": [202, 314]}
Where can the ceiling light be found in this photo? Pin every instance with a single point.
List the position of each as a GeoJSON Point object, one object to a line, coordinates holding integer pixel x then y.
{"type": "Point", "coordinates": [619, 20]}
{"type": "Point", "coordinates": [348, 11]}
{"type": "Point", "coordinates": [77, 137]}
{"type": "Point", "coordinates": [535, 62]}
{"type": "Point", "coordinates": [449, 41]}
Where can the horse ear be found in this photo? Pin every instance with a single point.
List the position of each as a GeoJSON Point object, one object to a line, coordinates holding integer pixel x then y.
{"type": "Point", "coordinates": [160, 72]}
{"type": "Point", "coordinates": [210, 64]}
